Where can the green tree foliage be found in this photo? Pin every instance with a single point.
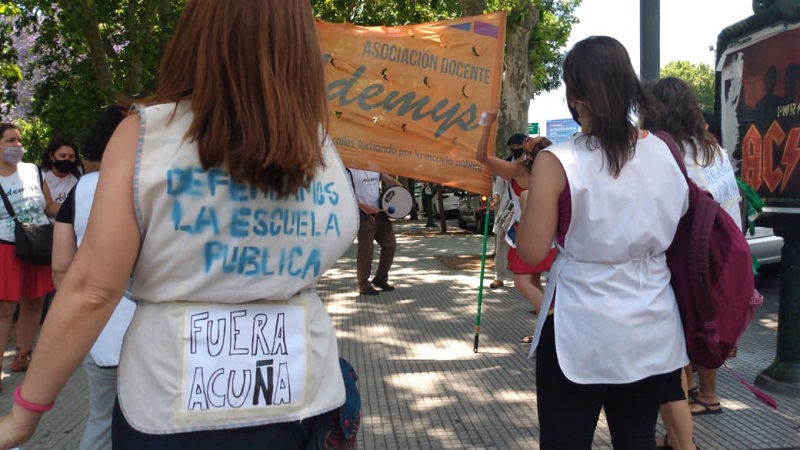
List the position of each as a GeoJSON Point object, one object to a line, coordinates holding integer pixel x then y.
{"type": "Point", "coordinates": [10, 72]}
{"type": "Point", "coordinates": [35, 136]}
{"type": "Point", "coordinates": [700, 77]}
{"type": "Point", "coordinates": [551, 30]}
{"type": "Point", "coordinates": [88, 54]}
{"type": "Point", "coordinates": [547, 42]}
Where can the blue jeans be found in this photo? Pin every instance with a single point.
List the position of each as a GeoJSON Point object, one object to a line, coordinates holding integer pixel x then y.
{"type": "Point", "coordinates": [289, 435]}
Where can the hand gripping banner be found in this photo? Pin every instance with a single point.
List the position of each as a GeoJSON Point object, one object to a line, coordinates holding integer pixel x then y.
{"type": "Point", "coordinates": [407, 100]}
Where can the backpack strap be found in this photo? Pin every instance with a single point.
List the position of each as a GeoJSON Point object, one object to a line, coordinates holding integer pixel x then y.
{"type": "Point", "coordinates": [673, 148]}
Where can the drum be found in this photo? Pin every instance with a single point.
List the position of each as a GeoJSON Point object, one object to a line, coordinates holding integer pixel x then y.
{"type": "Point", "coordinates": [396, 202]}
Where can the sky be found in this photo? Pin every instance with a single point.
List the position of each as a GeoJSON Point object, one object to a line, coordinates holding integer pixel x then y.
{"type": "Point", "coordinates": [689, 28]}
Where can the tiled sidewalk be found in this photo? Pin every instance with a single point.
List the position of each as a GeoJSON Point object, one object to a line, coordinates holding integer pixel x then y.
{"type": "Point", "coordinates": [422, 385]}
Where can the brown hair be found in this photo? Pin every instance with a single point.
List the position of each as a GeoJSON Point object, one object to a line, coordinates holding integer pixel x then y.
{"type": "Point", "coordinates": [679, 114]}
{"type": "Point", "coordinates": [5, 126]}
{"type": "Point", "coordinates": [598, 71]}
{"type": "Point", "coordinates": [253, 72]}
{"type": "Point", "coordinates": [542, 143]}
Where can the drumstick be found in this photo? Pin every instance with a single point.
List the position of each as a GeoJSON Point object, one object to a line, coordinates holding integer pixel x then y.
{"type": "Point", "coordinates": [389, 210]}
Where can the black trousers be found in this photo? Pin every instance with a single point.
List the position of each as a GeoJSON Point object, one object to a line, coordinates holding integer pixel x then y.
{"type": "Point", "coordinates": [283, 436]}
{"type": "Point", "coordinates": [568, 411]}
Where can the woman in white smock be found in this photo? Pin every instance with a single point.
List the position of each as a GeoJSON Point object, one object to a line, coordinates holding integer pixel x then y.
{"type": "Point", "coordinates": [226, 200]}
{"type": "Point", "coordinates": [611, 198]}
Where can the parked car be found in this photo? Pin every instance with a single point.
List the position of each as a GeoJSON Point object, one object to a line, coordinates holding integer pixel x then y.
{"type": "Point", "coordinates": [449, 198]}
{"type": "Point", "coordinates": [766, 249]}
{"type": "Point", "coordinates": [472, 211]}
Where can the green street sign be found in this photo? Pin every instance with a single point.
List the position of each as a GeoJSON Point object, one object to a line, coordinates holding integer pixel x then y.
{"type": "Point", "coordinates": [533, 128]}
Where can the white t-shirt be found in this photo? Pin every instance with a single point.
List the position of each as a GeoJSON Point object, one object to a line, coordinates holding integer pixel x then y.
{"type": "Point", "coordinates": [719, 179]}
{"type": "Point", "coordinates": [26, 198]}
{"type": "Point", "coordinates": [367, 186]}
{"type": "Point", "coordinates": [59, 187]}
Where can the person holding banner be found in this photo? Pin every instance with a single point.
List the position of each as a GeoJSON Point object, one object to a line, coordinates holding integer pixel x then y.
{"type": "Point", "coordinates": [610, 334]}
{"type": "Point", "coordinates": [374, 226]}
{"type": "Point", "coordinates": [501, 196]}
{"type": "Point", "coordinates": [204, 200]}
{"type": "Point", "coordinates": [527, 278]}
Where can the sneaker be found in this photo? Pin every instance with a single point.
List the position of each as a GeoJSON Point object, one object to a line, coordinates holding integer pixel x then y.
{"type": "Point", "coordinates": [369, 291]}
{"type": "Point", "coordinates": [21, 362]}
{"type": "Point", "coordinates": [496, 284]}
{"type": "Point", "coordinates": [385, 286]}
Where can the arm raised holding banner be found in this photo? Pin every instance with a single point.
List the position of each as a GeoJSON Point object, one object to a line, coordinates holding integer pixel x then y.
{"type": "Point", "coordinates": [526, 277]}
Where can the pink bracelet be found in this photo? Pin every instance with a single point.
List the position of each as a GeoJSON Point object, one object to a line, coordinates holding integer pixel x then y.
{"type": "Point", "coordinates": [28, 406]}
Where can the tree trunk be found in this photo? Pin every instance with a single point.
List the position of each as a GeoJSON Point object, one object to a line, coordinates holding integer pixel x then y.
{"type": "Point", "coordinates": [97, 53]}
{"type": "Point", "coordinates": [472, 7]}
{"type": "Point", "coordinates": [140, 30]}
{"type": "Point", "coordinates": [442, 212]}
{"type": "Point", "coordinates": [410, 187]}
{"type": "Point", "coordinates": [518, 88]}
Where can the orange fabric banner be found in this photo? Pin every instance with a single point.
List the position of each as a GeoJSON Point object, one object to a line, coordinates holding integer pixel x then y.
{"type": "Point", "coordinates": [407, 100]}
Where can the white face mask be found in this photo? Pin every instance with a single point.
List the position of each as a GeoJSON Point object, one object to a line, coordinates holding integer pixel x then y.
{"type": "Point", "coordinates": [13, 155]}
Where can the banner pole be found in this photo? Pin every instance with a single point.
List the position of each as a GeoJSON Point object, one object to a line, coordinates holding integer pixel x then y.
{"type": "Point", "coordinates": [480, 284]}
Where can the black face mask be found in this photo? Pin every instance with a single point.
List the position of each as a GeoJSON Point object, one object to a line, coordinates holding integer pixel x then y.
{"type": "Point", "coordinates": [517, 152]}
{"type": "Point", "coordinates": [64, 165]}
{"type": "Point", "coordinates": [574, 113]}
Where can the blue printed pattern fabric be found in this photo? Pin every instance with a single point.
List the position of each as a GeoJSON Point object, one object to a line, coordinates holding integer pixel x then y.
{"type": "Point", "coordinates": [242, 241]}
{"type": "Point", "coordinates": [226, 289]}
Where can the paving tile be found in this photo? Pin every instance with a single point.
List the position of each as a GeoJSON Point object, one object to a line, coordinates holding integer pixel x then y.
{"type": "Point", "coordinates": [423, 387]}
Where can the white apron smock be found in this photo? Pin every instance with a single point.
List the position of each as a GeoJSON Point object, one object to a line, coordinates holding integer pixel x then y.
{"type": "Point", "coordinates": [616, 319]}
{"type": "Point", "coordinates": [229, 331]}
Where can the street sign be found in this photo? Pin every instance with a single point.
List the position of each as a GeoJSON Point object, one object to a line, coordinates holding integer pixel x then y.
{"type": "Point", "coordinates": [533, 128]}
{"type": "Point", "coordinates": [560, 130]}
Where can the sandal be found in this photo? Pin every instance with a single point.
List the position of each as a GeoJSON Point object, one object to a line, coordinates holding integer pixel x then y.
{"type": "Point", "coordinates": [527, 339]}
{"type": "Point", "coordinates": [21, 361]}
{"type": "Point", "coordinates": [665, 445]}
{"type": "Point", "coordinates": [708, 408]}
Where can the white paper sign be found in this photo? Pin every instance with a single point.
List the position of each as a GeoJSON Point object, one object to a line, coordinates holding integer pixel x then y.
{"type": "Point", "coordinates": [244, 357]}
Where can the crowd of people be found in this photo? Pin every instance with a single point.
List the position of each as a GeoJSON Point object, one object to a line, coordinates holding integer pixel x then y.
{"type": "Point", "coordinates": [198, 145]}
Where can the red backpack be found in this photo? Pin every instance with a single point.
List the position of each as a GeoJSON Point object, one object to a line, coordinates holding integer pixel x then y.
{"type": "Point", "coordinates": [712, 275]}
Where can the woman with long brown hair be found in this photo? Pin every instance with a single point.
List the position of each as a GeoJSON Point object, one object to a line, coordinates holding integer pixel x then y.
{"type": "Point", "coordinates": [611, 198]}
{"type": "Point", "coordinates": [708, 165]}
{"type": "Point", "coordinates": [225, 201]}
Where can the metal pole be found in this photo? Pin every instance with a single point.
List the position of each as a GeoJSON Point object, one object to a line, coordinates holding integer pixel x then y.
{"type": "Point", "coordinates": [783, 375]}
{"type": "Point", "coordinates": [650, 39]}
{"type": "Point", "coordinates": [476, 339]}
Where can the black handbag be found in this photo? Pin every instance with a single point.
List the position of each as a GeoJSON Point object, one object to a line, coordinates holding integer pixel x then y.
{"type": "Point", "coordinates": [34, 243]}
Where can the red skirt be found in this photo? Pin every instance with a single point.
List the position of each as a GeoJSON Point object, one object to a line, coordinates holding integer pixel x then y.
{"type": "Point", "coordinates": [19, 279]}
{"type": "Point", "coordinates": [518, 266]}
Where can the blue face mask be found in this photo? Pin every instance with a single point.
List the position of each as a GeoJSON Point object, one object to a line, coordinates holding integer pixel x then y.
{"type": "Point", "coordinates": [517, 152]}
{"type": "Point", "coordinates": [13, 155]}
